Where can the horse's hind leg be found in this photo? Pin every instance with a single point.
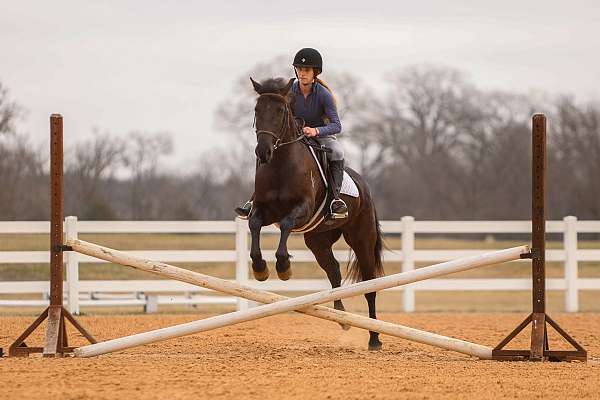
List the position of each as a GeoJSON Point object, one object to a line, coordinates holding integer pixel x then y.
{"type": "Point", "coordinates": [320, 245]}
{"type": "Point", "coordinates": [363, 246]}
{"type": "Point", "coordinates": [364, 258]}
{"type": "Point", "coordinates": [374, 342]}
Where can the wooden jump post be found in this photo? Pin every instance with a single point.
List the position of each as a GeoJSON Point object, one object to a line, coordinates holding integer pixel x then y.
{"type": "Point", "coordinates": [56, 341]}
{"type": "Point", "coordinates": [539, 349]}
{"type": "Point", "coordinates": [280, 304]}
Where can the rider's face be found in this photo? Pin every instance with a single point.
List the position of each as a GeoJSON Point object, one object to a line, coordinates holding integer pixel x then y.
{"type": "Point", "coordinates": [306, 75]}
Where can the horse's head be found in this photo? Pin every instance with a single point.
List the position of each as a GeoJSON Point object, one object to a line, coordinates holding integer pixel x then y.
{"type": "Point", "coordinates": [273, 115]}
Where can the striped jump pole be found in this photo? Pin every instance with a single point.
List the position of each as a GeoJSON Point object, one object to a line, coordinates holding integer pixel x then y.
{"type": "Point", "coordinates": [279, 304]}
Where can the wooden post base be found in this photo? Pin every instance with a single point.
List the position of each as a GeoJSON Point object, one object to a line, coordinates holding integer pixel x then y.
{"type": "Point", "coordinates": [540, 350]}
{"type": "Point", "coordinates": [56, 341]}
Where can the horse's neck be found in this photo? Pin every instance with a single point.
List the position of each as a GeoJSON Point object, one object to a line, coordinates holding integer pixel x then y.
{"type": "Point", "coordinates": [291, 152]}
{"type": "Point", "coordinates": [290, 157]}
{"type": "Point", "coordinates": [291, 176]}
{"type": "Point", "coordinates": [290, 163]}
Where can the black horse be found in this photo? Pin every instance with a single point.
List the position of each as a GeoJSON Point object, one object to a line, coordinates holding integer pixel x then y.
{"type": "Point", "coordinates": [288, 191]}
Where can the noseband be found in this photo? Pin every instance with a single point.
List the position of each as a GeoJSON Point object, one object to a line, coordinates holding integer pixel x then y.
{"type": "Point", "coordinates": [284, 123]}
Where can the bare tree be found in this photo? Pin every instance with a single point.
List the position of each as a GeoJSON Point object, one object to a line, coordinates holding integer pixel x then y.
{"type": "Point", "coordinates": [434, 143]}
{"type": "Point", "coordinates": [22, 179]}
{"type": "Point", "coordinates": [141, 160]}
{"type": "Point", "coordinates": [415, 131]}
{"type": "Point", "coordinates": [10, 112]}
{"type": "Point", "coordinates": [90, 167]}
{"type": "Point", "coordinates": [21, 167]}
{"type": "Point", "coordinates": [575, 159]}
{"type": "Point", "coordinates": [235, 115]}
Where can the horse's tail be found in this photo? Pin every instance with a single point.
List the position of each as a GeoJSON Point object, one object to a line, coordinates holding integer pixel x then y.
{"type": "Point", "coordinates": [378, 248]}
{"type": "Point", "coordinates": [355, 273]}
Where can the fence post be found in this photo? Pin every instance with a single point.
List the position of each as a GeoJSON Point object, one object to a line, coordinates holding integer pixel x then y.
{"type": "Point", "coordinates": [571, 266]}
{"type": "Point", "coordinates": [72, 267]}
{"type": "Point", "coordinates": [241, 265]}
{"type": "Point", "coordinates": [408, 261]}
{"type": "Point", "coordinates": [151, 305]}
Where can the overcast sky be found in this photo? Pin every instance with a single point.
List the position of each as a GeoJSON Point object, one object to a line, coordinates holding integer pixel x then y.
{"type": "Point", "coordinates": [155, 66]}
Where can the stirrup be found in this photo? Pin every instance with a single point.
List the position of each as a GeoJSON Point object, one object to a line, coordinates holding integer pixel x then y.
{"type": "Point", "coordinates": [244, 211]}
{"type": "Point", "coordinates": [335, 215]}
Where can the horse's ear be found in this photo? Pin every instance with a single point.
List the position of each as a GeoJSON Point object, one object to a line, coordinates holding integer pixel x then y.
{"type": "Point", "coordinates": [257, 86]}
{"type": "Point", "coordinates": [287, 87]}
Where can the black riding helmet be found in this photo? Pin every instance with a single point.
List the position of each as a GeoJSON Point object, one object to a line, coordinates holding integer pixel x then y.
{"type": "Point", "coordinates": [309, 57]}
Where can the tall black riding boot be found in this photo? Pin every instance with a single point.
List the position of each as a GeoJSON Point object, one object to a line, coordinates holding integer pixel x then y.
{"type": "Point", "coordinates": [338, 207]}
{"type": "Point", "coordinates": [244, 210]}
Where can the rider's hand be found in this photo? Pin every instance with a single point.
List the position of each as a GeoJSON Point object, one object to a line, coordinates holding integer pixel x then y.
{"type": "Point", "coordinates": [310, 132]}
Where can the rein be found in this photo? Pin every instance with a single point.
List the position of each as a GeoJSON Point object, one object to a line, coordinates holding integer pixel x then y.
{"type": "Point", "coordinates": [284, 123]}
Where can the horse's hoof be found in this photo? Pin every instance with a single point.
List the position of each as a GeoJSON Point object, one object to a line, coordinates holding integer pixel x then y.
{"type": "Point", "coordinates": [376, 346]}
{"type": "Point", "coordinates": [345, 327]}
{"type": "Point", "coordinates": [261, 275]}
{"type": "Point", "coordinates": [285, 275]}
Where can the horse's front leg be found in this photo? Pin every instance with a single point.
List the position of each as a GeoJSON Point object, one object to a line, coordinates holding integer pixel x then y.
{"type": "Point", "coordinates": [286, 225]}
{"type": "Point", "coordinates": [259, 265]}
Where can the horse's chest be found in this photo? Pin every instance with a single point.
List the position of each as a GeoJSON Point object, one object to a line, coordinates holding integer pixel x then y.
{"type": "Point", "coordinates": [280, 196]}
{"type": "Point", "coordinates": [286, 187]}
{"type": "Point", "coordinates": [269, 196]}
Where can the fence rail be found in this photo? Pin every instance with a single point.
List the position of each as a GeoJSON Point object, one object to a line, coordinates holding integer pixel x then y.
{"type": "Point", "coordinates": [85, 292]}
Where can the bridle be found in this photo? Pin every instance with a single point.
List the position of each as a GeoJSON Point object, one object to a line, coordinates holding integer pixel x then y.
{"type": "Point", "coordinates": [284, 123]}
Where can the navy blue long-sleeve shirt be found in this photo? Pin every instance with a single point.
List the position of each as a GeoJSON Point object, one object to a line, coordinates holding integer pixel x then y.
{"type": "Point", "coordinates": [317, 104]}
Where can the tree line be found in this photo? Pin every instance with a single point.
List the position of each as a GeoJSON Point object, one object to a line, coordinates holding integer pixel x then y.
{"type": "Point", "coordinates": [429, 141]}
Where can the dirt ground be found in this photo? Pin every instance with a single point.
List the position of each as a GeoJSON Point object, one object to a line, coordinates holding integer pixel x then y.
{"type": "Point", "coordinates": [298, 357]}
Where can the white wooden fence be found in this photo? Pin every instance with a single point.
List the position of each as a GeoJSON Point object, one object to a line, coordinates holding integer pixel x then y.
{"type": "Point", "coordinates": [145, 292]}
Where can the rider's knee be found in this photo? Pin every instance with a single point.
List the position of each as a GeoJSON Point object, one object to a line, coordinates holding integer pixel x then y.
{"type": "Point", "coordinates": [337, 153]}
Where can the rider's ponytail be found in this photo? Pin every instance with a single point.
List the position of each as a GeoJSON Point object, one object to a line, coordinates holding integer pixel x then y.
{"type": "Point", "coordinates": [322, 82]}
{"type": "Point", "coordinates": [326, 86]}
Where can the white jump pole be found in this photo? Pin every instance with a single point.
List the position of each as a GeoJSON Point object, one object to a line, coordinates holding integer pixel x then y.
{"type": "Point", "coordinates": [303, 302]}
{"type": "Point", "coordinates": [235, 289]}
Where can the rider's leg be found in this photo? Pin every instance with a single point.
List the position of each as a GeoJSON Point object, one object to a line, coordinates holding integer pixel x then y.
{"type": "Point", "coordinates": [338, 206]}
{"type": "Point", "coordinates": [244, 210]}
{"type": "Point", "coordinates": [336, 165]}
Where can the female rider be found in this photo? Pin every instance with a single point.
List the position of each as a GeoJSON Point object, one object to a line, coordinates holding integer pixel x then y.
{"type": "Point", "coordinates": [315, 104]}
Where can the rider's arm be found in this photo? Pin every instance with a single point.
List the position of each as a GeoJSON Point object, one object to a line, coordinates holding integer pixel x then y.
{"type": "Point", "coordinates": [334, 126]}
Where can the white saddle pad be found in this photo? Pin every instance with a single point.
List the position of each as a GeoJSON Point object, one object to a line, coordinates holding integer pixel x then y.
{"type": "Point", "coordinates": [349, 186]}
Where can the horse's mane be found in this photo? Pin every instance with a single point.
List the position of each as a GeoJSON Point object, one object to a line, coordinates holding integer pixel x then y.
{"type": "Point", "coordinates": [273, 85]}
